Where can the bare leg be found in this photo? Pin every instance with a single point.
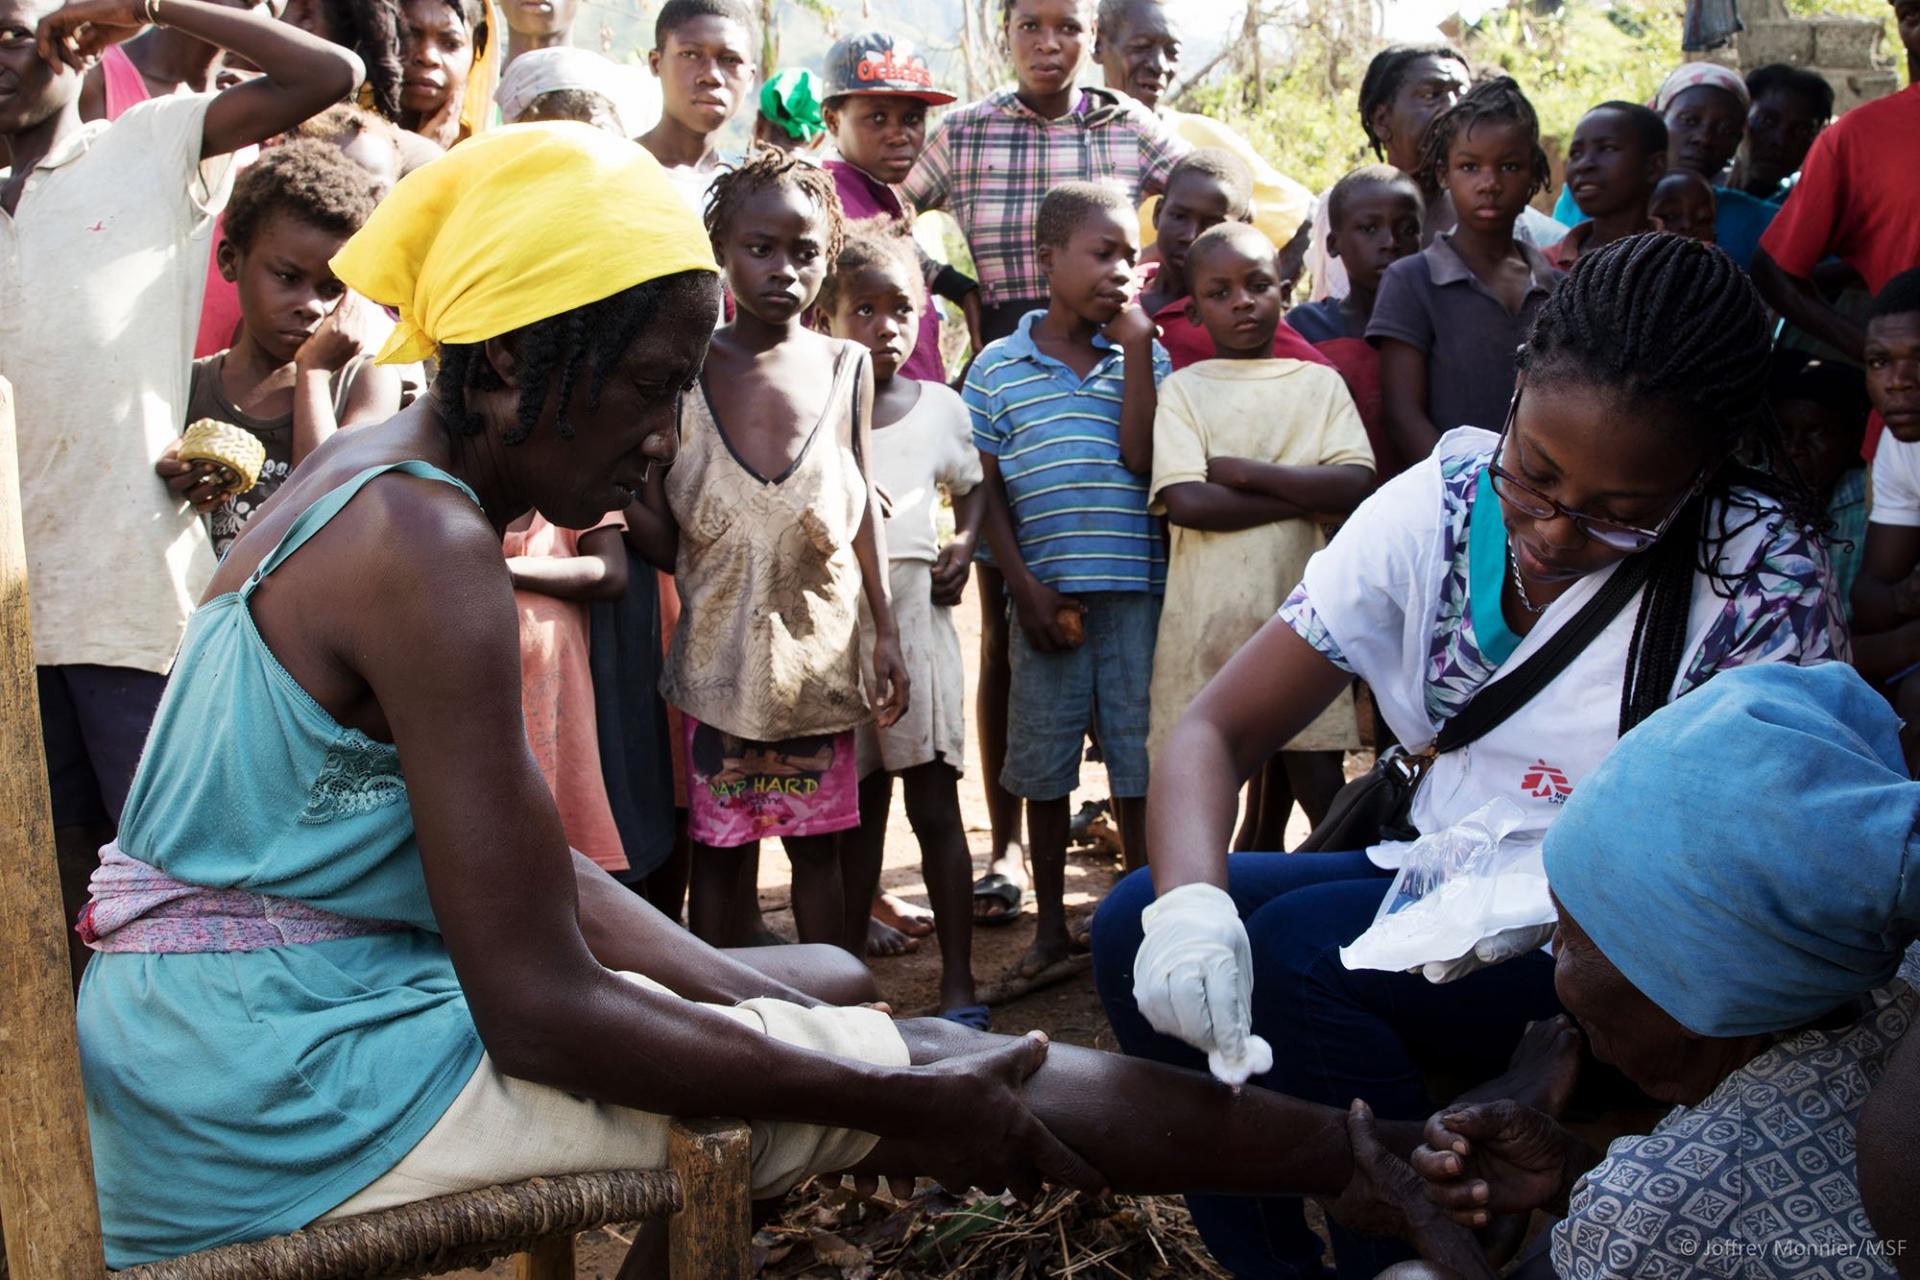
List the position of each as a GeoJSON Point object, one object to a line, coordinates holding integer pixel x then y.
{"type": "Point", "coordinates": [1315, 778]}
{"type": "Point", "coordinates": [1047, 825]}
{"type": "Point", "coordinates": [714, 890]}
{"type": "Point", "coordinates": [933, 807]}
{"type": "Point", "coordinates": [1153, 1129]}
{"type": "Point", "coordinates": [1254, 796]}
{"type": "Point", "coordinates": [1006, 856]}
{"type": "Point", "coordinates": [665, 887]}
{"type": "Point", "coordinates": [748, 925]}
{"type": "Point", "coordinates": [826, 973]}
{"type": "Point", "coordinates": [1130, 813]}
{"type": "Point", "coordinates": [1276, 805]}
{"type": "Point", "coordinates": [819, 895]}
{"type": "Point", "coordinates": [862, 851]}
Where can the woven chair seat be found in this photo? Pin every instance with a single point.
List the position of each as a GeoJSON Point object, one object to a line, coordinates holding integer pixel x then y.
{"type": "Point", "coordinates": [429, 1237]}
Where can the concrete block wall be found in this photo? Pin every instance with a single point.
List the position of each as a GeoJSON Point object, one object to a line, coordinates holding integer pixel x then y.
{"type": "Point", "coordinates": [1849, 52]}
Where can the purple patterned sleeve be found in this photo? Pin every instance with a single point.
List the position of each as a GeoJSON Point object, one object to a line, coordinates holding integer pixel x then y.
{"type": "Point", "coordinates": [1781, 612]}
{"type": "Point", "coordinates": [1298, 612]}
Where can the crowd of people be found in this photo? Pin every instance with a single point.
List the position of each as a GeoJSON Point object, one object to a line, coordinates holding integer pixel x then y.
{"type": "Point", "coordinates": [469, 510]}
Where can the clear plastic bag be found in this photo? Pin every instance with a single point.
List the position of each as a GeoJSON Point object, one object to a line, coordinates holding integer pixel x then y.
{"type": "Point", "coordinates": [1457, 889]}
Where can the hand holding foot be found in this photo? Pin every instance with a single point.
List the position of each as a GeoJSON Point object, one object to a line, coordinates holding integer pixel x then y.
{"type": "Point", "coordinates": [1498, 1157]}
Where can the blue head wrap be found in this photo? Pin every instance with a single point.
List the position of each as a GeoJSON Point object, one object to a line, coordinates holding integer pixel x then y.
{"type": "Point", "coordinates": [1747, 857]}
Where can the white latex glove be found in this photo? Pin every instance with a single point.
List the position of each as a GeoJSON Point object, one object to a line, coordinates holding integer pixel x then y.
{"type": "Point", "coordinates": [1504, 945]}
{"type": "Point", "coordinates": [1193, 979]}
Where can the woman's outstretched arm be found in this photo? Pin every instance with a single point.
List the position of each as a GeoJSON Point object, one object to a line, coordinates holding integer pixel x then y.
{"type": "Point", "coordinates": [1268, 691]}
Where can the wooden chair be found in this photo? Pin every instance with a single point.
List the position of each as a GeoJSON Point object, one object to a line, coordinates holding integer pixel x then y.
{"type": "Point", "coordinates": [48, 1206]}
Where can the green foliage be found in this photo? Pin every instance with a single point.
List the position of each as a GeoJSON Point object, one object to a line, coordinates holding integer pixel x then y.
{"type": "Point", "coordinates": [1305, 118]}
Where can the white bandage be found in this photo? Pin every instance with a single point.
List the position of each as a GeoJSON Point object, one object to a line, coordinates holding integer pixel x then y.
{"type": "Point", "coordinates": [1193, 979]}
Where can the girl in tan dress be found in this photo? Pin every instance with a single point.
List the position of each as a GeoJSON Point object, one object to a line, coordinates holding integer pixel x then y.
{"type": "Point", "coordinates": [771, 524]}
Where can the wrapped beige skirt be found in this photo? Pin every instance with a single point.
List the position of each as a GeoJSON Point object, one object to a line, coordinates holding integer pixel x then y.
{"type": "Point", "coordinates": [935, 724]}
{"type": "Point", "coordinates": [500, 1129]}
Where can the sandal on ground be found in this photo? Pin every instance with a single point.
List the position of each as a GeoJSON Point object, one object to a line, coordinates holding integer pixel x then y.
{"type": "Point", "coordinates": [975, 1017]}
{"type": "Point", "coordinates": [1004, 891]}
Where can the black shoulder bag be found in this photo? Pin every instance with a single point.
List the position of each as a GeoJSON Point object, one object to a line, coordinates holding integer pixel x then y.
{"type": "Point", "coordinates": [1378, 805]}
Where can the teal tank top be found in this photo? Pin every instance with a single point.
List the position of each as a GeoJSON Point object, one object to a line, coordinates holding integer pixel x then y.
{"type": "Point", "coordinates": [237, 1095]}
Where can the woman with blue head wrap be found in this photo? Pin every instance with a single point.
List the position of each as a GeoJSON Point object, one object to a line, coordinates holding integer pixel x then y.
{"type": "Point", "coordinates": [1737, 884]}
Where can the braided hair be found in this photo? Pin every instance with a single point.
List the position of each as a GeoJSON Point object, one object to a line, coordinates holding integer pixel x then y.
{"type": "Point", "coordinates": [1497, 100]}
{"type": "Point", "coordinates": [595, 336]}
{"type": "Point", "coordinates": [1387, 72]}
{"type": "Point", "coordinates": [764, 169]}
{"type": "Point", "coordinates": [1665, 323]}
{"type": "Point", "coordinates": [880, 241]}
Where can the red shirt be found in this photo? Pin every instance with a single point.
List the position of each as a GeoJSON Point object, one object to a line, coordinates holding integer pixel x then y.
{"type": "Point", "coordinates": [1187, 343]}
{"type": "Point", "coordinates": [1359, 364]}
{"type": "Point", "coordinates": [1858, 198]}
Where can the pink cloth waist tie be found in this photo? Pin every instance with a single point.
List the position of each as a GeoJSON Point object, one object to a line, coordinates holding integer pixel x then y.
{"type": "Point", "coordinates": [136, 907]}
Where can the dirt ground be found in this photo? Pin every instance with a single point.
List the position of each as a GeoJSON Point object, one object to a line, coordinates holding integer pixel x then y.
{"type": "Point", "coordinates": [1068, 1010]}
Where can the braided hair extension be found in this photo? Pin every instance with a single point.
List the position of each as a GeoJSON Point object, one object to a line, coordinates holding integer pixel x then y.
{"type": "Point", "coordinates": [371, 28]}
{"type": "Point", "coordinates": [1387, 72]}
{"type": "Point", "coordinates": [1496, 100]}
{"type": "Point", "coordinates": [765, 168]}
{"type": "Point", "coordinates": [1660, 322]}
{"type": "Point", "coordinates": [598, 333]}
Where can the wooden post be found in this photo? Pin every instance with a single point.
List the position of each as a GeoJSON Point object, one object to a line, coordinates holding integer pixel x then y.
{"type": "Point", "coordinates": [46, 1168]}
{"type": "Point", "coordinates": [550, 1259]}
{"type": "Point", "coordinates": [711, 1238]}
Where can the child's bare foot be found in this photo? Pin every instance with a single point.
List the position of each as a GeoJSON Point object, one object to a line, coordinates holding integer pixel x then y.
{"type": "Point", "coordinates": [884, 940]}
{"type": "Point", "coordinates": [896, 912]}
{"type": "Point", "coordinates": [1045, 953]}
{"type": "Point", "coordinates": [1542, 1072]}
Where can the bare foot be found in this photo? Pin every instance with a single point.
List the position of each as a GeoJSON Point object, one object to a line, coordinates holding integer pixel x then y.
{"type": "Point", "coordinates": [1045, 953]}
{"type": "Point", "coordinates": [1542, 1072]}
{"type": "Point", "coordinates": [896, 912]}
{"type": "Point", "coordinates": [884, 940]}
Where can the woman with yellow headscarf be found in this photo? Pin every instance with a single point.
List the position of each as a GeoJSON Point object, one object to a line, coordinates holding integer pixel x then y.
{"type": "Point", "coordinates": [345, 959]}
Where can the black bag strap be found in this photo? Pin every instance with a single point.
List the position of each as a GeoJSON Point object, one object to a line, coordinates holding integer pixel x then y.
{"type": "Point", "coordinates": [1499, 700]}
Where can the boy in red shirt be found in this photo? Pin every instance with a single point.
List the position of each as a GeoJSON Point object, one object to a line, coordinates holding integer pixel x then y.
{"type": "Point", "coordinates": [1855, 201]}
{"type": "Point", "coordinates": [1208, 187]}
{"type": "Point", "coordinates": [1373, 221]}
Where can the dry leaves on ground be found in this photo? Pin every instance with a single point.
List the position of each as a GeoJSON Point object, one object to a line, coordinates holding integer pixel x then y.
{"type": "Point", "coordinates": [828, 1231]}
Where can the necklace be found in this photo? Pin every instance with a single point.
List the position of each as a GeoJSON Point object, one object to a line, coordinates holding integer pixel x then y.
{"type": "Point", "coordinates": [1521, 586]}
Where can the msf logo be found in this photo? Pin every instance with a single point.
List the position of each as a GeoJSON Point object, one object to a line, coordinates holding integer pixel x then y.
{"type": "Point", "coordinates": [1544, 782]}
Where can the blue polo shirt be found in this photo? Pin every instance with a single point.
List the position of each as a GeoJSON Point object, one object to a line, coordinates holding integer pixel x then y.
{"type": "Point", "coordinates": [1080, 515]}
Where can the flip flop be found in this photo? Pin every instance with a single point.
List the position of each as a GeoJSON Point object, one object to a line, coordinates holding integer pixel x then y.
{"type": "Point", "coordinates": [997, 887]}
{"type": "Point", "coordinates": [974, 1017]}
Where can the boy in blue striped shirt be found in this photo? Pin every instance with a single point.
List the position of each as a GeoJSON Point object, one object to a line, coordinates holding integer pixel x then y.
{"type": "Point", "coordinates": [1063, 418]}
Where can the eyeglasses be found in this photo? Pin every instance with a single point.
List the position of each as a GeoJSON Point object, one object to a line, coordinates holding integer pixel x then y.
{"type": "Point", "coordinates": [1530, 502]}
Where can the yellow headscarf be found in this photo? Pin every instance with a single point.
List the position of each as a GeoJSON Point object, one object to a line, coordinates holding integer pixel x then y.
{"type": "Point", "coordinates": [476, 109]}
{"type": "Point", "coordinates": [521, 223]}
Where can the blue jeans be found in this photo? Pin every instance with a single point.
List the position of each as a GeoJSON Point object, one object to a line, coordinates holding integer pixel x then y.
{"type": "Point", "coordinates": [1337, 1034]}
{"type": "Point", "coordinates": [1056, 699]}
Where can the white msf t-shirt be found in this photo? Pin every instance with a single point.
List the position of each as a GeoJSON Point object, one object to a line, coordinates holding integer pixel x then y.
{"type": "Point", "coordinates": [1385, 601]}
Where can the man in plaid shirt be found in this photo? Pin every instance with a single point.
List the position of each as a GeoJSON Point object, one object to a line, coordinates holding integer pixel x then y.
{"type": "Point", "coordinates": [991, 162]}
